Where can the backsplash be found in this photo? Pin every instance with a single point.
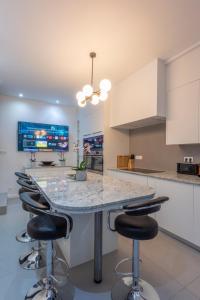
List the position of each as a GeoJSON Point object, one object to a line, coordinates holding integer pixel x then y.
{"type": "Point", "coordinates": [150, 142]}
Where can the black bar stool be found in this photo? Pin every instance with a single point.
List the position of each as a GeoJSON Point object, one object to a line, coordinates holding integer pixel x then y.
{"type": "Point", "coordinates": [135, 224]}
{"type": "Point", "coordinates": [48, 226]}
{"type": "Point", "coordinates": [35, 258]}
{"type": "Point", "coordinates": [22, 175]}
{"type": "Point", "coordinates": [26, 186]}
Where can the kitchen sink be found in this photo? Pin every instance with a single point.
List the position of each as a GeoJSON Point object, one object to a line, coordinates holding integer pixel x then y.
{"type": "Point", "coordinates": [144, 171]}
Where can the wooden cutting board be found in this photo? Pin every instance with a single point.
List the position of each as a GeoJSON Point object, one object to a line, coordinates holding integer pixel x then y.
{"type": "Point", "coordinates": [122, 161]}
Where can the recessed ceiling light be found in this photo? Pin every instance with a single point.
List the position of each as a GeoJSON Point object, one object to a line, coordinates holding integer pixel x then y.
{"type": "Point", "coordinates": [57, 101]}
{"type": "Point", "coordinates": [21, 95]}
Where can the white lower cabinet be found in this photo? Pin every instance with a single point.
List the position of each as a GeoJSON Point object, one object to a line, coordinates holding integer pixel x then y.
{"type": "Point", "coordinates": [181, 214]}
{"type": "Point", "coordinates": [176, 215]}
{"type": "Point", "coordinates": [197, 214]}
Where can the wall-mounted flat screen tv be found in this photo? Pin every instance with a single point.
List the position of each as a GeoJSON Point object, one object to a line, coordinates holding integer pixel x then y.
{"type": "Point", "coordinates": [33, 137]}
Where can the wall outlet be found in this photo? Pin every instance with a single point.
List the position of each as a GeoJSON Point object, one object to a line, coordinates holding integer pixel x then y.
{"type": "Point", "coordinates": [188, 159]}
{"type": "Point", "coordinates": [139, 157]}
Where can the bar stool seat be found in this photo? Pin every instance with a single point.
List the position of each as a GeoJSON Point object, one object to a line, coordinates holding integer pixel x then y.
{"type": "Point", "coordinates": [137, 228]}
{"type": "Point", "coordinates": [47, 227]}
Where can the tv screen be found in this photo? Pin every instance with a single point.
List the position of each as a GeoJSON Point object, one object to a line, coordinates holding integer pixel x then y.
{"type": "Point", "coordinates": [33, 137]}
{"type": "Point", "coordinates": [93, 145]}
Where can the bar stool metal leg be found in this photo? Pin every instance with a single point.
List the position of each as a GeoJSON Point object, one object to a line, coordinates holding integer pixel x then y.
{"type": "Point", "coordinates": [134, 288]}
{"type": "Point", "coordinates": [35, 259]}
{"type": "Point", "coordinates": [45, 289]}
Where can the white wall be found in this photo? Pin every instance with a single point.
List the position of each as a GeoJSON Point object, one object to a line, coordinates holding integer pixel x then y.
{"type": "Point", "coordinates": [13, 110]}
{"type": "Point", "coordinates": [116, 141]}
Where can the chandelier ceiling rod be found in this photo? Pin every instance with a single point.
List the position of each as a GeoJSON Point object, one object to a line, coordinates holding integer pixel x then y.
{"type": "Point", "coordinates": [92, 55]}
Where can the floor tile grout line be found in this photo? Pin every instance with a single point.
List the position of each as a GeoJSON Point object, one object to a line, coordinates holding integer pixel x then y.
{"type": "Point", "coordinates": [175, 294]}
{"type": "Point", "coordinates": [157, 265]}
{"type": "Point", "coordinates": [186, 286]}
{"type": "Point", "coordinates": [169, 273]}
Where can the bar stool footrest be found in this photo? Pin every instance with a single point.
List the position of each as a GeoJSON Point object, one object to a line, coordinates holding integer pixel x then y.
{"type": "Point", "coordinates": [124, 260]}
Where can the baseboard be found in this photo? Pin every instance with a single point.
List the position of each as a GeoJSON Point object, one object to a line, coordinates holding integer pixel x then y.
{"type": "Point", "coordinates": [3, 203]}
{"type": "Point", "coordinates": [13, 196]}
{"type": "Point", "coordinates": [176, 237]}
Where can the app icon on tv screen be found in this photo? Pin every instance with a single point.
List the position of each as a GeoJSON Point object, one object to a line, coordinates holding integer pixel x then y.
{"type": "Point", "coordinates": [42, 137]}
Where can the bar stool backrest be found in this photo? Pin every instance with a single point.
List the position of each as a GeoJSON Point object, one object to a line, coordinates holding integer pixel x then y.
{"type": "Point", "coordinates": [30, 199]}
{"type": "Point", "coordinates": [146, 208]}
{"type": "Point", "coordinates": [28, 184]}
{"type": "Point", "coordinates": [22, 175]}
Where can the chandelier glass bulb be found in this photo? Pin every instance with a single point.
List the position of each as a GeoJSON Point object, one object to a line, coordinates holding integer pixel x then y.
{"type": "Point", "coordinates": [87, 90]}
{"type": "Point", "coordinates": [105, 85]}
{"type": "Point", "coordinates": [95, 99]}
{"type": "Point", "coordinates": [103, 96]}
{"type": "Point", "coordinates": [80, 96]}
{"type": "Point", "coordinates": [82, 103]}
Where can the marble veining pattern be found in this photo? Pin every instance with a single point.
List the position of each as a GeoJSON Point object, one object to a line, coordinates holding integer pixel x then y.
{"type": "Point", "coordinates": [97, 193]}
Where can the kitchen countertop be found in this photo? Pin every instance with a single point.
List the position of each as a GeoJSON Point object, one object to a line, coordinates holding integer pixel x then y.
{"type": "Point", "coordinates": [96, 194]}
{"type": "Point", "coordinates": [167, 175]}
{"type": "Point", "coordinates": [40, 166]}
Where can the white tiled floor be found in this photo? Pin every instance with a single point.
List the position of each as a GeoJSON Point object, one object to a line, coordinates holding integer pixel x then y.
{"type": "Point", "coordinates": [170, 266]}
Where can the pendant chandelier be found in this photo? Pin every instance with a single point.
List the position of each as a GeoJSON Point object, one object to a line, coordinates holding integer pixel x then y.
{"type": "Point", "coordinates": [89, 93]}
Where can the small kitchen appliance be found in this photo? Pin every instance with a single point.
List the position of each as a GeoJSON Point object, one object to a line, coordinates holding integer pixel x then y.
{"type": "Point", "coordinates": [187, 168]}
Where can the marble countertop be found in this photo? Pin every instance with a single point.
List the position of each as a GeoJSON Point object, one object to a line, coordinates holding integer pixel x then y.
{"type": "Point", "coordinates": [167, 175]}
{"type": "Point", "coordinates": [96, 194]}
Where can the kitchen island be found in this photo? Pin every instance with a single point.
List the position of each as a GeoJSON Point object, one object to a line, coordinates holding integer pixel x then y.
{"type": "Point", "coordinates": [88, 198]}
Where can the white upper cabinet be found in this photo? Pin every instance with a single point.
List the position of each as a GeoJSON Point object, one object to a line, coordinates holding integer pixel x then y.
{"type": "Point", "coordinates": [183, 70]}
{"type": "Point", "coordinates": [182, 126]}
{"type": "Point", "coordinates": [183, 99]}
{"type": "Point", "coordinates": [139, 100]}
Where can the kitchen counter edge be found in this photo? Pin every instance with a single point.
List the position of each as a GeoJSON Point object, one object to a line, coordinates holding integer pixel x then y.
{"type": "Point", "coordinates": [165, 175]}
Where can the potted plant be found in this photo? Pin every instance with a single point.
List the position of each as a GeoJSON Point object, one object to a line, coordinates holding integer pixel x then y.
{"type": "Point", "coordinates": [81, 171]}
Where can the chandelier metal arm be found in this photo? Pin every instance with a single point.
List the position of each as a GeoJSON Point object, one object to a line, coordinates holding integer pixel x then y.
{"type": "Point", "coordinates": [87, 99]}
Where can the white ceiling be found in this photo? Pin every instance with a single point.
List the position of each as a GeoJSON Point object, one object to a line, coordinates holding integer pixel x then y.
{"type": "Point", "coordinates": [44, 44]}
